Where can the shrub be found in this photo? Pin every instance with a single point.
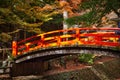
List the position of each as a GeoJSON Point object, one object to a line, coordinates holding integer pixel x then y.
{"type": "Point", "coordinates": [86, 58]}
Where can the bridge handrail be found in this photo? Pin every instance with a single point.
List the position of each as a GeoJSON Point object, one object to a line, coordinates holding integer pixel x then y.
{"type": "Point", "coordinates": [67, 30]}
{"type": "Point", "coordinates": [86, 36]}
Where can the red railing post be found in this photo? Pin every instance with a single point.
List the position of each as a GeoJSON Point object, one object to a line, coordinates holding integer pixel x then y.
{"type": "Point", "coordinates": [77, 34]}
{"type": "Point", "coordinates": [14, 48]}
{"type": "Point", "coordinates": [27, 46]}
{"type": "Point", "coordinates": [98, 40]}
{"type": "Point", "coordinates": [58, 40]}
{"type": "Point", "coordinates": [41, 43]}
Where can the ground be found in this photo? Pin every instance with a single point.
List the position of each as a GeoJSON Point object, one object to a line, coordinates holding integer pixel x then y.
{"type": "Point", "coordinates": [71, 65]}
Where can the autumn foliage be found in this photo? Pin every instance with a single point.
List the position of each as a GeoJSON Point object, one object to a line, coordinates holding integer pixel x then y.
{"type": "Point", "coordinates": [71, 6]}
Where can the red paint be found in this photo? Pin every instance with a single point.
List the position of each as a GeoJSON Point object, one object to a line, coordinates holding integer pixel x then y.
{"type": "Point", "coordinates": [84, 36]}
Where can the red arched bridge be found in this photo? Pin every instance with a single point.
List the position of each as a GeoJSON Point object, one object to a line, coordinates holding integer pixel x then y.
{"type": "Point", "coordinates": [70, 41]}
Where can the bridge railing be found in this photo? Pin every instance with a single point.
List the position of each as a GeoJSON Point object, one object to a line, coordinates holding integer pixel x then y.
{"type": "Point", "coordinates": [79, 36]}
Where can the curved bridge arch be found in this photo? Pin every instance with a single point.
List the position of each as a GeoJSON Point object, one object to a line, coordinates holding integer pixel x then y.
{"type": "Point", "coordinates": [49, 53]}
{"type": "Point", "coordinates": [64, 42]}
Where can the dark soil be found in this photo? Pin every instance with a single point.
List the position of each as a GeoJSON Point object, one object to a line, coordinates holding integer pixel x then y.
{"type": "Point", "coordinates": [71, 65]}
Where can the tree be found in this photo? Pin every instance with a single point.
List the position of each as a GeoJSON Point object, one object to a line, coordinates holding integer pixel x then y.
{"type": "Point", "coordinates": [94, 10]}
{"type": "Point", "coordinates": [33, 14]}
{"type": "Point", "coordinates": [28, 15]}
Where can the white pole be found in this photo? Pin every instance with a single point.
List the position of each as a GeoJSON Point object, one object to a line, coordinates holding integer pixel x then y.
{"type": "Point", "coordinates": [65, 16]}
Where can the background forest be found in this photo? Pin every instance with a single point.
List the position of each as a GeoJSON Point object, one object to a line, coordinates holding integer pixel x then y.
{"type": "Point", "coordinates": [20, 19]}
